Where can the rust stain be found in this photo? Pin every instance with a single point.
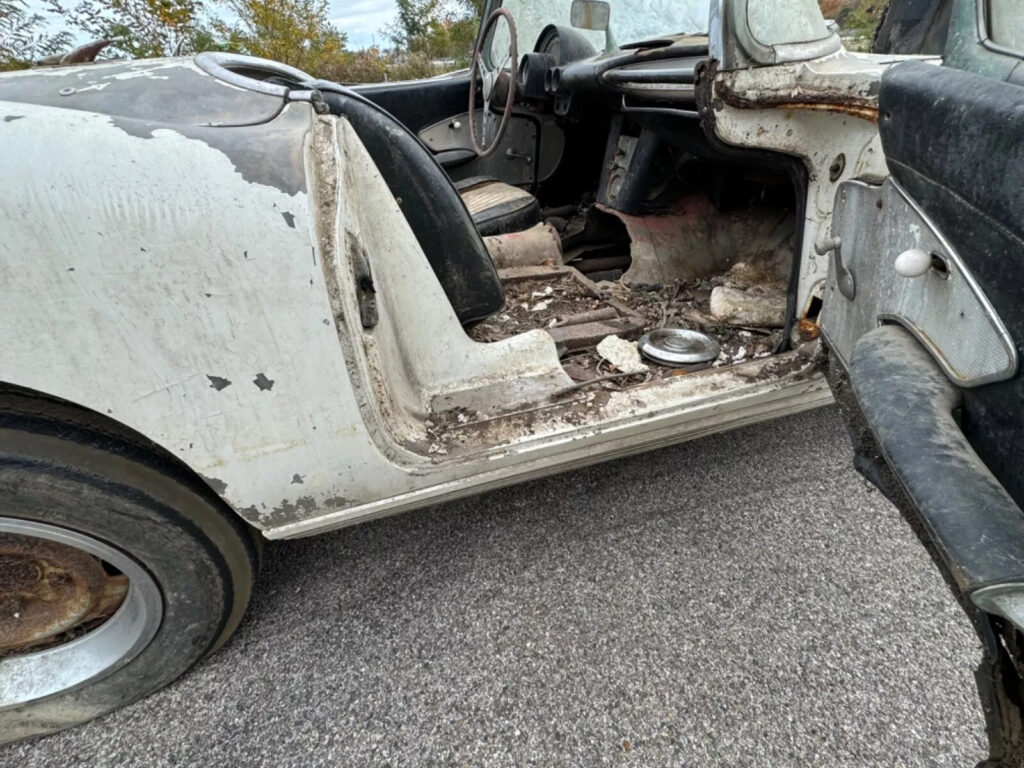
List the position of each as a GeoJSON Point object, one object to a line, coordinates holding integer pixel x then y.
{"type": "Point", "coordinates": [809, 329]}
{"type": "Point", "coordinates": [854, 110]}
{"type": "Point", "coordinates": [862, 106]}
{"type": "Point", "coordinates": [48, 590]}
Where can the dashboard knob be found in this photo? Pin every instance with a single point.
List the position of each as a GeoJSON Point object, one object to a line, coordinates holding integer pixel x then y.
{"type": "Point", "coordinates": [913, 263]}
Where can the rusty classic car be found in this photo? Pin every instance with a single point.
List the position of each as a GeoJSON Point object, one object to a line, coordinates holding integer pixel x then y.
{"type": "Point", "coordinates": [241, 303]}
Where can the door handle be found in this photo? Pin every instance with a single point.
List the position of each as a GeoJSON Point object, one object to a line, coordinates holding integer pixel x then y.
{"type": "Point", "coordinates": [511, 154]}
{"type": "Point", "coordinates": [844, 277]}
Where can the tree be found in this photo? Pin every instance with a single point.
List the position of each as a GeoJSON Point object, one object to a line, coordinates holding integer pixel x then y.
{"type": "Point", "coordinates": [294, 32]}
{"type": "Point", "coordinates": [444, 29]}
{"type": "Point", "coordinates": [22, 36]}
{"type": "Point", "coordinates": [141, 28]}
{"type": "Point", "coordinates": [412, 21]}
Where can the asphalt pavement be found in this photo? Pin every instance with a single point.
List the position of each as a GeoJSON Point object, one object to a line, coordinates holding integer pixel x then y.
{"type": "Point", "coordinates": [742, 600]}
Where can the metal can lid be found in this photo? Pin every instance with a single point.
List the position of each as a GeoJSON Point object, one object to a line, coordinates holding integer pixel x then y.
{"type": "Point", "coordinates": [678, 346]}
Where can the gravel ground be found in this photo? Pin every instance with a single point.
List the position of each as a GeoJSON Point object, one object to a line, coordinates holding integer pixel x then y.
{"type": "Point", "coordinates": [743, 600]}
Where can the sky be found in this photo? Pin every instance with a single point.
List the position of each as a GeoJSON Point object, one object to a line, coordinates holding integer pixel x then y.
{"type": "Point", "coordinates": [362, 20]}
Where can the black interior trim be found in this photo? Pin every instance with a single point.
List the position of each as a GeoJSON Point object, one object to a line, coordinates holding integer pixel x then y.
{"type": "Point", "coordinates": [455, 158]}
{"type": "Point", "coordinates": [430, 202]}
{"type": "Point", "coordinates": [909, 404]}
{"type": "Point", "coordinates": [419, 103]}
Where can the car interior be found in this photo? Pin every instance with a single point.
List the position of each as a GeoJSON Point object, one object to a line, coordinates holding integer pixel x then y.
{"type": "Point", "coordinates": [604, 209]}
{"type": "Point", "coordinates": [651, 224]}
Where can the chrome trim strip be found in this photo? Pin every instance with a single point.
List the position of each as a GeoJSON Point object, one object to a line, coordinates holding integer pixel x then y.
{"type": "Point", "coordinates": [983, 34]}
{"type": "Point", "coordinates": [986, 305]}
{"type": "Point", "coordinates": [217, 63]}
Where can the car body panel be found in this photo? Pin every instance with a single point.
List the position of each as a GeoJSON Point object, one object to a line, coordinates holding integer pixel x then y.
{"type": "Point", "coordinates": [971, 48]}
{"type": "Point", "coordinates": [173, 91]}
{"type": "Point", "coordinates": [236, 355]}
{"type": "Point", "coordinates": [169, 311]}
{"type": "Point", "coordinates": [824, 112]}
{"type": "Point", "coordinates": [217, 262]}
{"type": "Point", "coordinates": [243, 356]}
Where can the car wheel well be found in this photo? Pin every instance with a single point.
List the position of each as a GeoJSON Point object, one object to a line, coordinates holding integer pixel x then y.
{"type": "Point", "coordinates": [41, 413]}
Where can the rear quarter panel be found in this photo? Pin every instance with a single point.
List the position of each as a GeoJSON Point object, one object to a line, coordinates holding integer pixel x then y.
{"type": "Point", "coordinates": [172, 282]}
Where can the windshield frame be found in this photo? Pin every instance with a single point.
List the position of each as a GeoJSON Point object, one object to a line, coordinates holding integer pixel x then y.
{"type": "Point", "coordinates": [525, 46]}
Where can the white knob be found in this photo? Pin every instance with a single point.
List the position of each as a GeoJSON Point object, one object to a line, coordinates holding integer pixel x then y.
{"type": "Point", "coordinates": [913, 263]}
{"type": "Point", "coordinates": [455, 125]}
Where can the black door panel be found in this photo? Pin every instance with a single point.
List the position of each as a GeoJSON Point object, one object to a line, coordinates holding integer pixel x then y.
{"type": "Point", "coordinates": [419, 103]}
{"type": "Point", "coordinates": [948, 456]}
{"type": "Point", "coordinates": [914, 27]}
{"type": "Point", "coordinates": [955, 141]}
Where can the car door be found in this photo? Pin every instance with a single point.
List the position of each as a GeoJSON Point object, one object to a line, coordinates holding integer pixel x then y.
{"type": "Point", "coordinates": [924, 317]}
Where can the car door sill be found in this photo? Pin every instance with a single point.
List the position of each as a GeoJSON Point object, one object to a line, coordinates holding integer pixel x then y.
{"type": "Point", "coordinates": [768, 398]}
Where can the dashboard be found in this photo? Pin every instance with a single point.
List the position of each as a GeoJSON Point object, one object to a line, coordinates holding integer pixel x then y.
{"type": "Point", "coordinates": [566, 74]}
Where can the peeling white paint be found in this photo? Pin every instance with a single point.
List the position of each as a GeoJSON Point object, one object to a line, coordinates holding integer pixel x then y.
{"type": "Point", "coordinates": [816, 136]}
{"type": "Point", "coordinates": [146, 279]}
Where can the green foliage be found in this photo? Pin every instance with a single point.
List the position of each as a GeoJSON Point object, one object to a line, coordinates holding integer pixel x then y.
{"type": "Point", "coordinates": [859, 23]}
{"type": "Point", "coordinates": [430, 37]}
{"type": "Point", "coordinates": [437, 29]}
{"type": "Point", "coordinates": [376, 66]}
{"type": "Point", "coordinates": [142, 28]}
{"type": "Point", "coordinates": [23, 38]}
{"type": "Point", "coordinates": [858, 20]}
{"type": "Point", "coordinates": [294, 32]}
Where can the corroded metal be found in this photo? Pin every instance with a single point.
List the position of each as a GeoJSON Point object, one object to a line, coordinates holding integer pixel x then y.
{"type": "Point", "coordinates": [48, 589]}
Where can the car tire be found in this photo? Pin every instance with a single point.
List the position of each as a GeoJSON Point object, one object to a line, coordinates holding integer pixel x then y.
{"type": "Point", "coordinates": [177, 563]}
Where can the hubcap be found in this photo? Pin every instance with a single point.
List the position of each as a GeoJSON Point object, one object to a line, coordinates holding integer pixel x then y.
{"type": "Point", "coordinates": [72, 610]}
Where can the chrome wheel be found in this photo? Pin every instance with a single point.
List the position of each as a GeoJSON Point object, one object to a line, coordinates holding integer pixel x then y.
{"type": "Point", "coordinates": [73, 609]}
{"type": "Point", "coordinates": [119, 570]}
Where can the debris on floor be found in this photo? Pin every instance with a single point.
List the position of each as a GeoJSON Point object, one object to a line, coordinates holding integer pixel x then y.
{"type": "Point", "coordinates": [622, 355]}
{"type": "Point", "coordinates": [687, 305]}
{"type": "Point", "coordinates": [679, 347]}
{"type": "Point", "coordinates": [761, 306]}
{"type": "Point", "coordinates": [751, 295]}
{"type": "Point", "coordinates": [579, 314]}
{"type": "Point", "coordinates": [561, 301]}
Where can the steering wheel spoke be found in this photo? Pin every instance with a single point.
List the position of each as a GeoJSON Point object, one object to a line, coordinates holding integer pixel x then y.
{"type": "Point", "coordinates": [486, 80]}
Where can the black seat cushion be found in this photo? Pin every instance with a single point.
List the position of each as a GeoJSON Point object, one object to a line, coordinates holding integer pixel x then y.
{"type": "Point", "coordinates": [432, 206]}
{"type": "Point", "coordinates": [498, 208]}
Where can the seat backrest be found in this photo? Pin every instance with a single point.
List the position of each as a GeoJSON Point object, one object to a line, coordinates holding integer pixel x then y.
{"type": "Point", "coordinates": [430, 202]}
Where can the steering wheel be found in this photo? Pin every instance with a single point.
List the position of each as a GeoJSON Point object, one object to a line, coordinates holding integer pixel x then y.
{"type": "Point", "coordinates": [489, 81]}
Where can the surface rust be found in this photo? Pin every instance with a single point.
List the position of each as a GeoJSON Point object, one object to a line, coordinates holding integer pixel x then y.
{"type": "Point", "coordinates": [854, 104]}
{"type": "Point", "coordinates": [48, 590]}
{"type": "Point", "coordinates": [560, 300]}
